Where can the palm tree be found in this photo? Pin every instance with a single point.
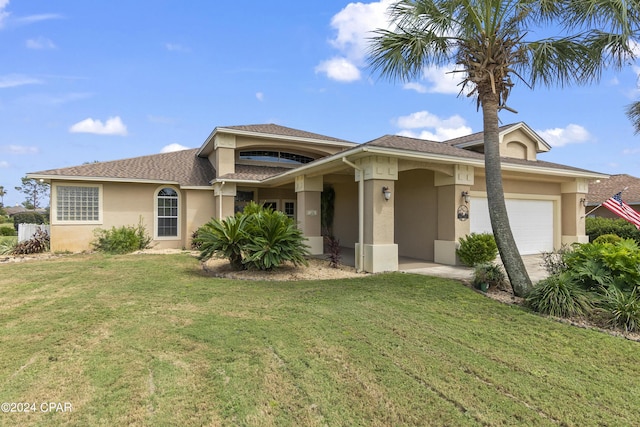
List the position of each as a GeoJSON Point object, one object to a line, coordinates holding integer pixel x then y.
{"type": "Point", "coordinates": [633, 113]}
{"type": "Point", "coordinates": [2, 194]}
{"type": "Point", "coordinates": [488, 42]}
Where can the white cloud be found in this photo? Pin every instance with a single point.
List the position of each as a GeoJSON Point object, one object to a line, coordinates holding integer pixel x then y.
{"type": "Point", "coordinates": [31, 19]}
{"type": "Point", "coordinates": [113, 126]}
{"type": "Point", "coordinates": [4, 164]}
{"type": "Point", "coordinates": [433, 127]}
{"type": "Point", "coordinates": [340, 69]}
{"type": "Point", "coordinates": [354, 25]}
{"type": "Point", "coordinates": [40, 43]}
{"type": "Point", "coordinates": [13, 80]}
{"type": "Point", "coordinates": [173, 147]}
{"type": "Point", "coordinates": [572, 134]}
{"type": "Point", "coordinates": [631, 151]}
{"type": "Point", "coordinates": [3, 14]}
{"type": "Point", "coordinates": [260, 96]}
{"type": "Point", "coordinates": [20, 149]}
{"type": "Point", "coordinates": [176, 47]}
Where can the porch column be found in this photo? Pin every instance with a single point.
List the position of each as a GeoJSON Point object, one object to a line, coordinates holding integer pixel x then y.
{"type": "Point", "coordinates": [573, 219]}
{"type": "Point", "coordinates": [454, 212]}
{"type": "Point", "coordinates": [308, 190]}
{"type": "Point", "coordinates": [379, 252]}
{"type": "Point", "coordinates": [225, 199]}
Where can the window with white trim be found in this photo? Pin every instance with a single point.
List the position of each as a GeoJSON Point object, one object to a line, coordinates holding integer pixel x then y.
{"type": "Point", "coordinates": [77, 203]}
{"type": "Point", "coordinates": [290, 209]}
{"type": "Point", "coordinates": [167, 213]}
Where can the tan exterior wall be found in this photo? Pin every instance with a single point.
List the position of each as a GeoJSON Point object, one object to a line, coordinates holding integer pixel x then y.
{"type": "Point", "coordinates": [518, 145]}
{"type": "Point", "coordinates": [511, 185]}
{"type": "Point", "coordinates": [416, 216]}
{"type": "Point", "coordinates": [125, 204]}
{"type": "Point", "coordinates": [345, 221]}
{"type": "Point", "coordinates": [378, 212]}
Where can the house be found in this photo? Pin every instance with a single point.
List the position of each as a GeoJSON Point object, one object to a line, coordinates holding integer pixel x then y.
{"type": "Point", "coordinates": [603, 189]}
{"type": "Point", "coordinates": [394, 196]}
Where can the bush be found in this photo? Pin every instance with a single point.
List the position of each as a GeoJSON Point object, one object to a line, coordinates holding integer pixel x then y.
{"type": "Point", "coordinates": [559, 296]}
{"type": "Point", "coordinates": [598, 266]}
{"type": "Point", "coordinates": [596, 227]}
{"type": "Point", "coordinates": [39, 242]}
{"type": "Point", "coordinates": [224, 238]}
{"type": "Point", "coordinates": [274, 239]}
{"type": "Point", "coordinates": [477, 248]}
{"type": "Point", "coordinates": [491, 274]}
{"type": "Point", "coordinates": [258, 237]}
{"type": "Point", "coordinates": [607, 238]}
{"type": "Point", "coordinates": [7, 231]}
{"type": "Point", "coordinates": [623, 308]}
{"type": "Point", "coordinates": [7, 246]}
{"type": "Point", "coordinates": [121, 240]}
{"type": "Point", "coordinates": [28, 218]}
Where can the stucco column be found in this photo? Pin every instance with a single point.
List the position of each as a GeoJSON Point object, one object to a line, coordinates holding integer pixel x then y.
{"type": "Point", "coordinates": [573, 218]}
{"type": "Point", "coordinates": [225, 198]}
{"type": "Point", "coordinates": [454, 212]}
{"type": "Point", "coordinates": [308, 191]}
{"type": "Point", "coordinates": [380, 253]}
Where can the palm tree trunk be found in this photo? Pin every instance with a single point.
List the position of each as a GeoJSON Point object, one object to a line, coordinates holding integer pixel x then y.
{"type": "Point", "coordinates": [509, 253]}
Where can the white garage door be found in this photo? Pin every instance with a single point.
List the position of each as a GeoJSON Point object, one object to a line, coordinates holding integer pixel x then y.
{"type": "Point", "coordinates": [531, 222]}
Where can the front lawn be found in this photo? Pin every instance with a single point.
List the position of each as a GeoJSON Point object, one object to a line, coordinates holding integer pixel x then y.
{"type": "Point", "coordinates": [150, 340]}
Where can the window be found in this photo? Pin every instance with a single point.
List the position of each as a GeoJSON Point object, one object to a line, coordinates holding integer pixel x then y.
{"type": "Point", "coordinates": [275, 156]}
{"type": "Point", "coordinates": [290, 209]}
{"type": "Point", "coordinates": [167, 213]}
{"type": "Point", "coordinates": [77, 203]}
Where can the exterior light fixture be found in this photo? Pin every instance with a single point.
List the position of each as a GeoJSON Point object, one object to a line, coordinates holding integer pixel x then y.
{"type": "Point", "coordinates": [583, 202]}
{"type": "Point", "coordinates": [465, 196]}
{"type": "Point", "coordinates": [386, 192]}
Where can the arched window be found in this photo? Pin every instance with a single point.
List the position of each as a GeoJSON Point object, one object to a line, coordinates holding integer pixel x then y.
{"type": "Point", "coordinates": [167, 213]}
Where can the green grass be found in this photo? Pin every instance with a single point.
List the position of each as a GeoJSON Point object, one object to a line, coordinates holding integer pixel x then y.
{"type": "Point", "coordinates": [150, 340]}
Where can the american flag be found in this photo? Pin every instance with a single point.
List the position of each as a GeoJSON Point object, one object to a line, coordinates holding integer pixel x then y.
{"type": "Point", "coordinates": [620, 208]}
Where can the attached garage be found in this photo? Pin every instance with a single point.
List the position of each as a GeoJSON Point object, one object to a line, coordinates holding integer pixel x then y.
{"type": "Point", "coordinates": [532, 222]}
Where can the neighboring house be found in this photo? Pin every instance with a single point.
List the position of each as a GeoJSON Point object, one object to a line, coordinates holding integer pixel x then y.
{"type": "Point", "coordinates": [603, 189]}
{"type": "Point", "coordinates": [13, 210]}
{"type": "Point", "coordinates": [394, 196]}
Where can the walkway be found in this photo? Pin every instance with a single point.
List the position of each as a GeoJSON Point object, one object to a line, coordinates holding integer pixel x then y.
{"type": "Point", "coordinates": [533, 264]}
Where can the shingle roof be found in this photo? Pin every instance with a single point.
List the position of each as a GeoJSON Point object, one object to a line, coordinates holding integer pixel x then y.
{"type": "Point", "coordinates": [475, 137]}
{"type": "Point", "coordinates": [445, 149]}
{"type": "Point", "coordinates": [606, 188]}
{"type": "Point", "coordinates": [253, 172]}
{"type": "Point", "coordinates": [273, 129]}
{"type": "Point", "coordinates": [183, 167]}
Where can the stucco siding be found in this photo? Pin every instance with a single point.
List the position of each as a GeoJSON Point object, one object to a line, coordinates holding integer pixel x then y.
{"type": "Point", "coordinates": [345, 221]}
{"type": "Point", "coordinates": [416, 212]}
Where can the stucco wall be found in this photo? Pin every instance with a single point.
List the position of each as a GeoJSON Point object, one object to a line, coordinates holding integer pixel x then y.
{"type": "Point", "coordinates": [125, 204]}
{"type": "Point", "coordinates": [416, 211]}
{"type": "Point", "coordinates": [345, 221]}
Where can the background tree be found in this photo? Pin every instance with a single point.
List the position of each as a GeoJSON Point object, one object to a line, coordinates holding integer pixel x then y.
{"type": "Point", "coordinates": [2, 194]}
{"type": "Point", "coordinates": [488, 42]}
{"type": "Point", "coordinates": [35, 190]}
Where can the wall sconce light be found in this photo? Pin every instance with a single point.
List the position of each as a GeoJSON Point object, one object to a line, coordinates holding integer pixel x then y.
{"type": "Point", "coordinates": [583, 202]}
{"type": "Point", "coordinates": [386, 192]}
{"type": "Point", "coordinates": [465, 196]}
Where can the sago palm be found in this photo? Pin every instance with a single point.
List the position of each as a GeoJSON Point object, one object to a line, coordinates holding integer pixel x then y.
{"type": "Point", "coordinates": [489, 42]}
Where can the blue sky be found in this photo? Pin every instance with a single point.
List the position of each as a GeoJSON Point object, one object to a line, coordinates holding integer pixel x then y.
{"type": "Point", "coordinates": [82, 81]}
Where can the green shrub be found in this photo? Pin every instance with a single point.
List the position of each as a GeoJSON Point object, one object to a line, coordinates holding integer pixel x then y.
{"type": "Point", "coordinates": [598, 266]}
{"type": "Point", "coordinates": [607, 238]}
{"type": "Point", "coordinates": [559, 296]}
{"type": "Point", "coordinates": [224, 238]}
{"type": "Point", "coordinates": [597, 226]}
{"type": "Point", "coordinates": [30, 217]}
{"type": "Point", "coordinates": [274, 239]}
{"type": "Point", "coordinates": [491, 274]}
{"type": "Point", "coordinates": [477, 248]}
{"type": "Point", "coordinates": [623, 308]}
{"type": "Point", "coordinates": [121, 240]}
{"type": "Point", "coordinates": [7, 246]}
{"type": "Point", "coordinates": [258, 237]}
{"type": "Point", "coordinates": [7, 231]}
{"type": "Point", "coordinates": [39, 242]}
